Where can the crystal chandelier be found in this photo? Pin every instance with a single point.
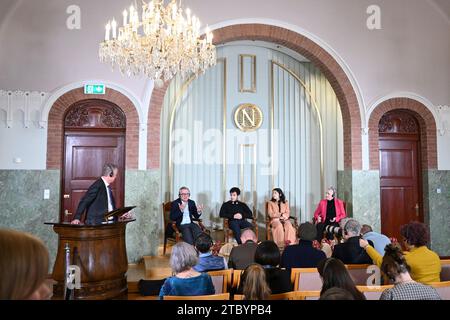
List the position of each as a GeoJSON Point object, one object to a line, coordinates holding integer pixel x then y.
{"type": "Point", "coordinates": [160, 45]}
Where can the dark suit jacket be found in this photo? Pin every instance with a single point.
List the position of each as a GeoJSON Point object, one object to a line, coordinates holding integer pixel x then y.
{"type": "Point", "coordinates": [350, 252]}
{"type": "Point", "coordinates": [242, 255]}
{"type": "Point", "coordinates": [94, 202]}
{"type": "Point", "coordinates": [301, 255]}
{"type": "Point", "coordinates": [176, 214]}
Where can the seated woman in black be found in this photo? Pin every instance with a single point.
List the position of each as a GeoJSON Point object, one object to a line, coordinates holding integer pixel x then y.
{"type": "Point", "coordinates": [268, 256]}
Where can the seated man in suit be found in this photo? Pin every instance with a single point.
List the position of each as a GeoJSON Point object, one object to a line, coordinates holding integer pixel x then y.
{"type": "Point", "coordinates": [350, 251]}
{"type": "Point", "coordinates": [303, 254]}
{"type": "Point", "coordinates": [99, 198]}
{"type": "Point", "coordinates": [184, 211]}
{"type": "Point", "coordinates": [236, 212]}
{"type": "Point", "coordinates": [244, 255]}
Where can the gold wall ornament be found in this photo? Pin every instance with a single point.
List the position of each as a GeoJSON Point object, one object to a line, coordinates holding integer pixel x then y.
{"type": "Point", "coordinates": [248, 117]}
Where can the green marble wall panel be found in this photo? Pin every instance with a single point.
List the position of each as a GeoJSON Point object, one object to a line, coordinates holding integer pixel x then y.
{"type": "Point", "coordinates": [142, 189]}
{"type": "Point", "coordinates": [439, 210]}
{"type": "Point", "coordinates": [366, 198]}
{"type": "Point", "coordinates": [22, 204]}
{"type": "Point", "coordinates": [344, 189]}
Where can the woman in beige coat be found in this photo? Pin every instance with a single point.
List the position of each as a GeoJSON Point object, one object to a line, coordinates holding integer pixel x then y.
{"type": "Point", "coordinates": [278, 209]}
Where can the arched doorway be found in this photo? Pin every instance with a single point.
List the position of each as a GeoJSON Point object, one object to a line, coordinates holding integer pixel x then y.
{"type": "Point", "coordinates": [400, 170]}
{"type": "Point", "coordinates": [94, 134]}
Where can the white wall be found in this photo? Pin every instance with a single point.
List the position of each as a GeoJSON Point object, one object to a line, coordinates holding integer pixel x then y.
{"type": "Point", "coordinates": [409, 54]}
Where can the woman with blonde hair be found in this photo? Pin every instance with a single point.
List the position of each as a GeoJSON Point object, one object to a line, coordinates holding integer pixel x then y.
{"type": "Point", "coordinates": [255, 286]}
{"type": "Point", "coordinates": [24, 263]}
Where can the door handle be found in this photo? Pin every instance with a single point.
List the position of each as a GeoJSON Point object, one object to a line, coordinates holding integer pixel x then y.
{"type": "Point", "coordinates": [417, 209]}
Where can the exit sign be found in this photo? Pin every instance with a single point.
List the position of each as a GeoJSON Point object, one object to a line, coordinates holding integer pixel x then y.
{"type": "Point", "coordinates": [94, 89]}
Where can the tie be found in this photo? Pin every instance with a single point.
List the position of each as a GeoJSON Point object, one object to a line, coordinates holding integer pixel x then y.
{"type": "Point", "coordinates": [112, 198]}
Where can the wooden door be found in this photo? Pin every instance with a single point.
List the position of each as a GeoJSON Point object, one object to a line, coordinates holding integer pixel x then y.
{"type": "Point", "coordinates": [400, 174]}
{"type": "Point", "coordinates": [94, 135]}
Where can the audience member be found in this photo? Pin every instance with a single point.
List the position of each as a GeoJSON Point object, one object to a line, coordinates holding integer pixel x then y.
{"type": "Point", "coordinates": [425, 264]}
{"type": "Point", "coordinates": [350, 251]}
{"type": "Point", "coordinates": [396, 268]}
{"type": "Point", "coordinates": [334, 274]}
{"type": "Point", "coordinates": [303, 254]}
{"type": "Point", "coordinates": [187, 281]}
{"type": "Point", "coordinates": [244, 254]}
{"type": "Point", "coordinates": [336, 294]}
{"type": "Point", "coordinates": [255, 286]}
{"type": "Point", "coordinates": [207, 261]}
{"type": "Point", "coordinates": [24, 261]}
{"type": "Point", "coordinates": [380, 241]}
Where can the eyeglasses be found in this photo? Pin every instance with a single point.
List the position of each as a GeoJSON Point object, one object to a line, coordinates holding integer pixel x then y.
{"type": "Point", "coordinates": [185, 194]}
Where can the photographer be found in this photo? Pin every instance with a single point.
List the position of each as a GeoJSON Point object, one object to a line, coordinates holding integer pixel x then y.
{"type": "Point", "coordinates": [328, 213]}
{"type": "Point", "coordinates": [350, 251]}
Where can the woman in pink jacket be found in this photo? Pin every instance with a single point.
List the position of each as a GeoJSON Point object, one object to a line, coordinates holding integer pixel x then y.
{"type": "Point", "coordinates": [329, 212]}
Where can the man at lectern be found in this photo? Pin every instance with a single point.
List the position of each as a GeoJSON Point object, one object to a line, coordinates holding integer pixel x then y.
{"type": "Point", "coordinates": [99, 198]}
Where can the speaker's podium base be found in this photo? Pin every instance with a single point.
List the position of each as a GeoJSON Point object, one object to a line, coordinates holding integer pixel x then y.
{"type": "Point", "coordinates": [100, 253]}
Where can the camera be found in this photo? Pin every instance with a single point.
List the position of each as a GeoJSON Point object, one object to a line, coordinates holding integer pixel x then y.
{"type": "Point", "coordinates": [333, 230]}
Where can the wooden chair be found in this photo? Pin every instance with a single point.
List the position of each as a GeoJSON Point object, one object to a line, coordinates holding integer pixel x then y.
{"type": "Point", "coordinates": [445, 271]}
{"type": "Point", "coordinates": [229, 233]}
{"type": "Point", "coordinates": [221, 296]}
{"type": "Point", "coordinates": [307, 295]}
{"type": "Point", "coordinates": [373, 292]}
{"type": "Point", "coordinates": [269, 225]}
{"type": "Point", "coordinates": [291, 295]}
{"type": "Point", "coordinates": [359, 274]}
{"type": "Point", "coordinates": [306, 279]}
{"type": "Point", "coordinates": [237, 279]}
{"type": "Point", "coordinates": [443, 288]}
{"type": "Point", "coordinates": [221, 280]}
{"type": "Point", "coordinates": [171, 231]}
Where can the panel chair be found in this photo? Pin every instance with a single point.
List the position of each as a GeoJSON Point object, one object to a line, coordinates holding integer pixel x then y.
{"type": "Point", "coordinates": [221, 280]}
{"type": "Point", "coordinates": [269, 225]}
{"type": "Point", "coordinates": [443, 288]}
{"type": "Point", "coordinates": [229, 233]}
{"type": "Point", "coordinates": [445, 271]}
{"type": "Point", "coordinates": [171, 231]}
{"type": "Point", "coordinates": [306, 279]}
{"type": "Point", "coordinates": [373, 292]}
{"type": "Point", "coordinates": [221, 296]}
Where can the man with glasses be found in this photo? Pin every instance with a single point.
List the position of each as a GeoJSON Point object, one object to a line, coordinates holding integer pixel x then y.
{"type": "Point", "coordinates": [184, 212]}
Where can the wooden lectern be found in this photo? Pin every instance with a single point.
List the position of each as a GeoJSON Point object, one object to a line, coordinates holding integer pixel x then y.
{"type": "Point", "coordinates": [100, 253]}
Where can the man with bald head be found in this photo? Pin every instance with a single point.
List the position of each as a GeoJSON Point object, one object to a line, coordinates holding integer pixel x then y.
{"type": "Point", "coordinates": [244, 254]}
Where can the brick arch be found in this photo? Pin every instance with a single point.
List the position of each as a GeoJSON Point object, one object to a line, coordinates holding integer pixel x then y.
{"type": "Point", "coordinates": [428, 140]}
{"type": "Point", "coordinates": [339, 81]}
{"type": "Point", "coordinates": [55, 138]}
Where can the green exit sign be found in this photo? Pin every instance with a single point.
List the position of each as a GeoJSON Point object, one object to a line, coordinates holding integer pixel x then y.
{"type": "Point", "coordinates": [94, 89]}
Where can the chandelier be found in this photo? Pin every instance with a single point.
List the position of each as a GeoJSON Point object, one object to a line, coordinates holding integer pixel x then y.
{"type": "Point", "coordinates": [160, 45]}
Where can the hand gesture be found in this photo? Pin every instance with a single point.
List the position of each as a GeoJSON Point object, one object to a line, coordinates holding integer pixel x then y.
{"type": "Point", "coordinates": [200, 208]}
{"type": "Point", "coordinates": [363, 243]}
{"type": "Point", "coordinates": [182, 206]}
{"type": "Point", "coordinates": [75, 221]}
{"type": "Point", "coordinates": [319, 219]}
{"type": "Point", "coordinates": [238, 216]}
